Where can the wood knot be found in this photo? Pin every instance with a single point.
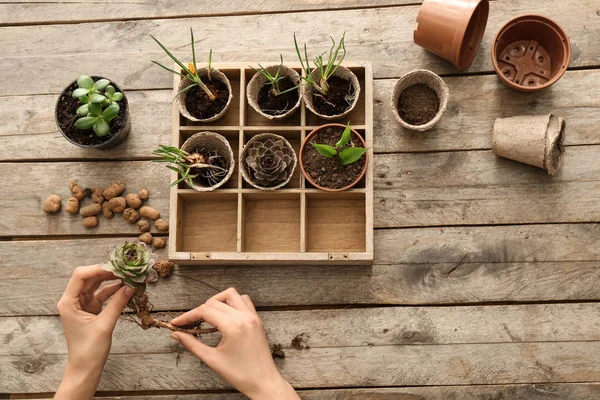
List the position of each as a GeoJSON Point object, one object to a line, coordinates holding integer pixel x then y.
{"type": "Point", "coordinates": [33, 367]}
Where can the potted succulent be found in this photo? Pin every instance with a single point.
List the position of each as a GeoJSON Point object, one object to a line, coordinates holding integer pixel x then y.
{"type": "Point", "coordinates": [203, 94]}
{"type": "Point", "coordinates": [452, 29]}
{"type": "Point", "coordinates": [268, 161]}
{"type": "Point", "coordinates": [419, 100]}
{"type": "Point", "coordinates": [93, 112]}
{"type": "Point", "coordinates": [204, 162]}
{"type": "Point", "coordinates": [330, 90]}
{"type": "Point", "coordinates": [334, 157]}
{"type": "Point", "coordinates": [274, 91]}
{"type": "Point", "coordinates": [530, 53]}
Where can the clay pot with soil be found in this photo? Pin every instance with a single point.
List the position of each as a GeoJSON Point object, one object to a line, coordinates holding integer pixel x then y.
{"type": "Point", "coordinates": [204, 162]}
{"type": "Point", "coordinates": [204, 94]}
{"type": "Point", "coordinates": [419, 100]}
{"type": "Point", "coordinates": [452, 29]}
{"type": "Point", "coordinates": [334, 157]}
{"type": "Point", "coordinates": [274, 91]}
{"type": "Point", "coordinates": [93, 112]}
{"type": "Point", "coordinates": [268, 161]}
{"type": "Point", "coordinates": [535, 140]}
{"type": "Point", "coordinates": [530, 53]}
{"type": "Point", "coordinates": [330, 90]}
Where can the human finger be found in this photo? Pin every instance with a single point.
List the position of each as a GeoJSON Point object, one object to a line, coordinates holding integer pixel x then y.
{"type": "Point", "coordinates": [233, 298]}
{"type": "Point", "coordinates": [249, 303]}
{"type": "Point", "coordinates": [104, 293]}
{"type": "Point", "coordinates": [86, 275]}
{"type": "Point", "coordinates": [115, 306]}
{"type": "Point", "coordinates": [206, 313]}
{"type": "Point", "coordinates": [205, 353]}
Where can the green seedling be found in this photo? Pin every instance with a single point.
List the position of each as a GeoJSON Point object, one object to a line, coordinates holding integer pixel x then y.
{"type": "Point", "coordinates": [347, 155]}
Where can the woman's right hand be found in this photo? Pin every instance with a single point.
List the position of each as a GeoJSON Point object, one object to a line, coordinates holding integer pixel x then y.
{"type": "Point", "coordinates": [243, 357]}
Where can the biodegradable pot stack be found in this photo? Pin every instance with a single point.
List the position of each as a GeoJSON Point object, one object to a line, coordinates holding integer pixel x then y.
{"type": "Point", "coordinates": [534, 140]}
{"type": "Point", "coordinates": [341, 72]}
{"type": "Point", "coordinates": [214, 142]}
{"type": "Point", "coordinates": [258, 81]}
{"type": "Point", "coordinates": [203, 73]}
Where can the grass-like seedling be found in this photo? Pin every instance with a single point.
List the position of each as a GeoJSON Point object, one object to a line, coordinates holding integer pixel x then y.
{"type": "Point", "coordinates": [191, 70]}
{"type": "Point", "coordinates": [347, 155]}
{"type": "Point", "coordinates": [327, 68]}
{"type": "Point", "coordinates": [97, 108]}
{"type": "Point", "coordinates": [273, 80]}
{"type": "Point", "coordinates": [208, 166]}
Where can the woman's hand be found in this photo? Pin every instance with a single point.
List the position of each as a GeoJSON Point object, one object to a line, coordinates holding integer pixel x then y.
{"type": "Point", "coordinates": [243, 357]}
{"type": "Point", "coordinates": [88, 328]}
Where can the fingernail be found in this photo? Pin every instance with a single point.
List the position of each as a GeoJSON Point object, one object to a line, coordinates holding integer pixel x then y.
{"type": "Point", "coordinates": [175, 337]}
{"type": "Point", "coordinates": [128, 290]}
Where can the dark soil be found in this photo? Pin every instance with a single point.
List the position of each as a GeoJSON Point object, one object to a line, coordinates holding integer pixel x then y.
{"type": "Point", "coordinates": [66, 115]}
{"type": "Point", "coordinates": [277, 351]}
{"type": "Point", "coordinates": [201, 106]}
{"type": "Point", "coordinates": [204, 175]}
{"type": "Point", "coordinates": [339, 97]}
{"type": "Point", "coordinates": [277, 105]}
{"type": "Point", "coordinates": [418, 104]}
{"type": "Point", "coordinates": [329, 172]}
{"type": "Point", "coordinates": [300, 342]}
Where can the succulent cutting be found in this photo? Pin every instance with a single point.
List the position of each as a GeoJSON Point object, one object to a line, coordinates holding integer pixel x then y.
{"type": "Point", "coordinates": [99, 104]}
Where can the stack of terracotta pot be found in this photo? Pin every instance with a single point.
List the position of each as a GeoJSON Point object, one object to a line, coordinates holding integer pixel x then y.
{"type": "Point", "coordinates": [529, 53]}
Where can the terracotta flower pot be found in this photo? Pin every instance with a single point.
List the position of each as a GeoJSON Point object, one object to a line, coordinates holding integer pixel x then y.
{"type": "Point", "coordinates": [309, 91]}
{"type": "Point", "coordinates": [535, 140]}
{"type": "Point", "coordinates": [421, 76]}
{"type": "Point", "coordinates": [310, 137]}
{"type": "Point", "coordinates": [452, 29]}
{"type": "Point", "coordinates": [203, 73]}
{"type": "Point", "coordinates": [530, 53]}
{"type": "Point", "coordinates": [258, 81]}
{"type": "Point", "coordinates": [247, 173]}
{"type": "Point", "coordinates": [214, 142]}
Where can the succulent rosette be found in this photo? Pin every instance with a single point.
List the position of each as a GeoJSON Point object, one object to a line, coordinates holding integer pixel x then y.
{"type": "Point", "coordinates": [269, 160]}
{"type": "Point", "coordinates": [132, 262]}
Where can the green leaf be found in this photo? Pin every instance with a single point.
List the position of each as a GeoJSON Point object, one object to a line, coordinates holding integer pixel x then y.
{"type": "Point", "coordinates": [101, 128]}
{"type": "Point", "coordinates": [97, 98]}
{"type": "Point", "coordinates": [82, 111]}
{"type": "Point", "coordinates": [85, 82]}
{"type": "Point", "coordinates": [110, 91]}
{"type": "Point", "coordinates": [110, 112]}
{"type": "Point", "coordinates": [117, 96]}
{"type": "Point", "coordinates": [171, 56]}
{"type": "Point", "coordinates": [351, 154]}
{"type": "Point", "coordinates": [101, 84]}
{"type": "Point", "coordinates": [95, 109]}
{"type": "Point", "coordinates": [84, 99]}
{"type": "Point", "coordinates": [85, 122]}
{"type": "Point", "coordinates": [325, 149]}
{"type": "Point", "coordinates": [345, 139]}
{"type": "Point", "coordinates": [80, 92]}
{"type": "Point", "coordinates": [184, 90]}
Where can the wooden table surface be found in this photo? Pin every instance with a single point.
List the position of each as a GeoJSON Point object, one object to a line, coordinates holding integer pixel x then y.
{"type": "Point", "coordinates": [486, 279]}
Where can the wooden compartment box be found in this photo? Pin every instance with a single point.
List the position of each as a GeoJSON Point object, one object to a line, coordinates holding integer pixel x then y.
{"type": "Point", "coordinates": [297, 224]}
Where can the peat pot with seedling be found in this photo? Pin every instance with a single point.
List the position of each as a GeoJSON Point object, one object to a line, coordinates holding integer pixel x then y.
{"type": "Point", "coordinates": [274, 91]}
{"type": "Point", "coordinates": [330, 90]}
{"type": "Point", "coordinates": [268, 161]}
{"type": "Point", "coordinates": [204, 162]}
{"type": "Point", "coordinates": [204, 94]}
{"type": "Point", "coordinates": [334, 157]}
{"type": "Point", "coordinates": [93, 112]}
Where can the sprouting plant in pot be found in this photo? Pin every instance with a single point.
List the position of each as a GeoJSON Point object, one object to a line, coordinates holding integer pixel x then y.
{"type": "Point", "coordinates": [133, 262]}
{"type": "Point", "coordinates": [94, 113]}
{"type": "Point", "coordinates": [203, 94]}
{"type": "Point", "coordinates": [268, 161]}
{"type": "Point", "coordinates": [333, 157]}
{"type": "Point", "coordinates": [274, 91]}
{"type": "Point", "coordinates": [330, 90]}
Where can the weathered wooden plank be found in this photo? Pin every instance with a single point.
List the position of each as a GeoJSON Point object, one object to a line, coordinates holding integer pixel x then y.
{"type": "Point", "coordinates": [48, 11]}
{"type": "Point", "coordinates": [383, 36]}
{"type": "Point", "coordinates": [28, 336]}
{"type": "Point", "coordinates": [477, 187]}
{"type": "Point", "coordinates": [563, 391]}
{"type": "Point", "coordinates": [419, 365]}
{"type": "Point", "coordinates": [476, 101]}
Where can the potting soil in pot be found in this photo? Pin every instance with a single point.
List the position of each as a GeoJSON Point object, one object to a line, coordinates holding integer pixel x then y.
{"type": "Point", "coordinates": [67, 115]}
{"type": "Point", "coordinates": [213, 158]}
{"type": "Point", "coordinates": [418, 104]}
{"type": "Point", "coordinates": [339, 97]}
{"type": "Point", "coordinates": [201, 106]}
{"type": "Point", "coordinates": [329, 172]}
{"type": "Point", "coordinates": [275, 105]}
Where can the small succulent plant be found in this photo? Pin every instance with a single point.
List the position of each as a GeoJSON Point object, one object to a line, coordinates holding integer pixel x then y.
{"type": "Point", "coordinates": [97, 108]}
{"type": "Point", "coordinates": [347, 155]}
{"type": "Point", "coordinates": [270, 161]}
{"type": "Point", "coordinates": [132, 262]}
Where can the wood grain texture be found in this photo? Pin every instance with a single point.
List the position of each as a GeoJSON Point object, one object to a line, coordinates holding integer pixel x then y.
{"type": "Point", "coordinates": [419, 365]}
{"type": "Point", "coordinates": [383, 36]}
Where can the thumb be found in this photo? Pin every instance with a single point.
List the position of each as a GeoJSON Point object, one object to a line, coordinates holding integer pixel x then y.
{"type": "Point", "coordinates": [116, 305]}
{"type": "Point", "coordinates": [204, 352]}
